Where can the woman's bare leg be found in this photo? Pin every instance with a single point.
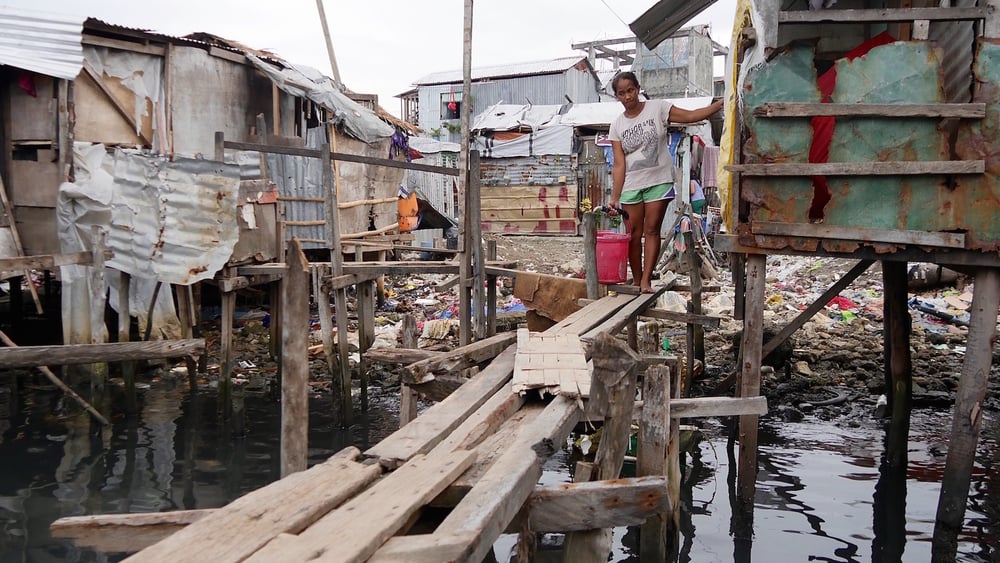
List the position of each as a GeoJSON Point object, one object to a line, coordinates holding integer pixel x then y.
{"type": "Point", "coordinates": [651, 224]}
{"type": "Point", "coordinates": [636, 214]}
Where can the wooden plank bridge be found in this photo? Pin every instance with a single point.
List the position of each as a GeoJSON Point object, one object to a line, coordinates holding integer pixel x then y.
{"type": "Point", "coordinates": [478, 453]}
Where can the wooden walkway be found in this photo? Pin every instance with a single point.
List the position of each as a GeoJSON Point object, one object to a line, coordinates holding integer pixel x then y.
{"type": "Point", "coordinates": [478, 452]}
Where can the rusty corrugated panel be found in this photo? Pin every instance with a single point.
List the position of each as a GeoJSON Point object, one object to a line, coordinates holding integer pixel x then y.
{"type": "Point", "coordinates": [664, 18]}
{"type": "Point", "coordinates": [548, 66]}
{"type": "Point", "coordinates": [41, 42]}
{"type": "Point", "coordinates": [173, 220]}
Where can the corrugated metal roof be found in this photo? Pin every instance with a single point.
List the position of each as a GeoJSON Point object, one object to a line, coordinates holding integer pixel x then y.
{"type": "Point", "coordinates": [518, 69]}
{"type": "Point", "coordinates": [41, 42]}
{"type": "Point", "coordinates": [664, 18]}
{"type": "Point", "coordinates": [506, 117]}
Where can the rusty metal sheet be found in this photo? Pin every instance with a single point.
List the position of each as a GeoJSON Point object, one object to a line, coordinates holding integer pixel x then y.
{"type": "Point", "coordinates": [900, 72]}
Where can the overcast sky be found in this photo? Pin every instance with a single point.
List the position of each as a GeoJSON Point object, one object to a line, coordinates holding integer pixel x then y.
{"type": "Point", "coordinates": [383, 46]}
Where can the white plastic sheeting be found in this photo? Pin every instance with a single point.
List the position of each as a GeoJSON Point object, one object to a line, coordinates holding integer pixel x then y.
{"type": "Point", "coordinates": [143, 76]}
{"type": "Point", "coordinates": [41, 42]}
{"type": "Point", "coordinates": [302, 81]}
{"type": "Point", "coordinates": [508, 117]}
{"type": "Point", "coordinates": [550, 140]}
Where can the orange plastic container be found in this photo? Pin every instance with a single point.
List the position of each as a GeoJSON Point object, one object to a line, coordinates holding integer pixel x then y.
{"type": "Point", "coordinates": [612, 257]}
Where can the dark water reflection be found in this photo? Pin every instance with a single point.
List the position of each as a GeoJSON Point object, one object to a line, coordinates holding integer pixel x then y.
{"type": "Point", "coordinates": [823, 494]}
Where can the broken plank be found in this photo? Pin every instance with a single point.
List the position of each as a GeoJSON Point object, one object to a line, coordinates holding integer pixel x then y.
{"type": "Point", "coordinates": [434, 425]}
{"type": "Point", "coordinates": [422, 548]}
{"type": "Point", "coordinates": [343, 535]}
{"type": "Point", "coordinates": [289, 505]}
{"type": "Point", "coordinates": [71, 354]}
{"type": "Point", "coordinates": [458, 359]}
{"type": "Point", "coordinates": [124, 533]}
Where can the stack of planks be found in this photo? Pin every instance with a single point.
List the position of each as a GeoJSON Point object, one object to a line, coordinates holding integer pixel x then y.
{"type": "Point", "coordinates": [552, 363]}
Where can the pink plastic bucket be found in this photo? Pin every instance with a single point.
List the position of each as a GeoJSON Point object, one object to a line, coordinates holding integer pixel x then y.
{"type": "Point", "coordinates": [612, 257]}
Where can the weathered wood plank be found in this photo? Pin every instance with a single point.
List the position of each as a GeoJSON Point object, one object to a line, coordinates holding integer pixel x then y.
{"type": "Point", "coordinates": [422, 548]}
{"type": "Point", "coordinates": [235, 531]}
{"type": "Point", "coordinates": [628, 312]}
{"type": "Point", "coordinates": [591, 505]}
{"type": "Point", "coordinates": [46, 261]}
{"type": "Point", "coordinates": [124, 533]}
{"type": "Point", "coordinates": [653, 441]}
{"type": "Point", "coordinates": [493, 502]}
{"type": "Point", "coordinates": [400, 356]}
{"type": "Point", "coordinates": [434, 425]}
{"type": "Point", "coordinates": [701, 407]}
{"type": "Point", "coordinates": [895, 236]}
{"type": "Point", "coordinates": [71, 354]}
{"type": "Point", "coordinates": [689, 318]}
{"type": "Point", "coordinates": [883, 15]}
{"type": "Point", "coordinates": [592, 315]}
{"type": "Point", "coordinates": [314, 153]}
{"type": "Point", "coordinates": [887, 168]}
{"type": "Point", "coordinates": [458, 359]}
{"type": "Point", "coordinates": [791, 109]}
{"type": "Point", "coordinates": [344, 535]}
{"type": "Point", "coordinates": [295, 362]}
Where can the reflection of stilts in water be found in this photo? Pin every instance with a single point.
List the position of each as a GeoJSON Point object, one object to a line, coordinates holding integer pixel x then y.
{"type": "Point", "coordinates": [889, 522]}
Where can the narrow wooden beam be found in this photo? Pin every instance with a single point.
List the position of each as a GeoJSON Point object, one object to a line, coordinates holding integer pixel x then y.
{"type": "Point", "coordinates": [791, 109]}
{"type": "Point", "coordinates": [459, 358]}
{"type": "Point", "coordinates": [885, 168]}
{"type": "Point", "coordinates": [72, 354]}
{"type": "Point", "coordinates": [47, 261]}
{"type": "Point", "coordinates": [895, 236]}
{"type": "Point", "coordinates": [295, 362]}
{"type": "Point", "coordinates": [882, 15]}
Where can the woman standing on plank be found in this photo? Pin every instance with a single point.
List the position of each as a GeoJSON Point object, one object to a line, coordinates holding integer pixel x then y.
{"type": "Point", "coordinates": [643, 169]}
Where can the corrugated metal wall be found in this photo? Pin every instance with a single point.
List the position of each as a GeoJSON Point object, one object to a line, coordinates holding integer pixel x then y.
{"type": "Point", "coordinates": [580, 86]}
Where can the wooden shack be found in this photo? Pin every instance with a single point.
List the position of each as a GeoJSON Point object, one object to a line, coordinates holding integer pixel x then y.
{"type": "Point", "coordinates": [868, 131]}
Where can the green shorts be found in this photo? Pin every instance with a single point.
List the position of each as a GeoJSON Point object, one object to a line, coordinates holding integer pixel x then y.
{"type": "Point", "coordinates": [644, 195]}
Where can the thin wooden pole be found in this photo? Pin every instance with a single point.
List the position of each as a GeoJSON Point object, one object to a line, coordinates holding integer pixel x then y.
{"type": "Point", "coordinates": [98, 302]}
{"type": "Point", "coordinates": [476, 247]}
{"type": "Point", "coordinates": [750, 349]}
{"type": "Point", "coordinates": [16, 237]}
{"type": "Point", "coordinates": [366, 326]}
{"type": "Point", "coordinates": [967, 419]}
{"type": "Point", "coordinates": [695, 332]}
{"type": "Point", "coordinates": [898, 366]}
{"type": "Point", "coordinates": [407, 396]}
{"type": "Point", "coordinates": [295, 362]}
{"type": "Point", "coordinates": [58, 383]}
{"type": "Point", "coordinates": [226, 342]}
{"type": "Point", "coordinates": [124, 335]}
{"type": "Point", "coordinates": [491, 291]}
{"type": "Point", "coordinates": [464, 239]}
{"type": "Point", "coordinates": [590, 255]}
{"type": "Point", "coordinates": [329, 43]}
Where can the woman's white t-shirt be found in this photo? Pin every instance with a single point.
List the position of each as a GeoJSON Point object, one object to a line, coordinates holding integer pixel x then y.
{"type": "Point", "coordinates": [644, 140]}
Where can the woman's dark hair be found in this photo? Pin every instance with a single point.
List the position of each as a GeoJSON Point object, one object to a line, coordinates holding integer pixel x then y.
{"type": "Point", "coordinates": [624, 75]}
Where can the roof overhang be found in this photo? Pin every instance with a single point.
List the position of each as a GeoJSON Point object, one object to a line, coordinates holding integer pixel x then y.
{"type": "Point", "coordinates": [664, 18]}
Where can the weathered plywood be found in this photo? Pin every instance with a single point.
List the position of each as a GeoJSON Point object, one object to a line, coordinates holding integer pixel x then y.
{"type": "Point", "coordinates": [98, 121]}
{"type": "Point", "coordinates": [37, 227]}
{"type": "Point", "coordinates": [34, 183]}
{"type": "Point", "coordinates": [33, 117]}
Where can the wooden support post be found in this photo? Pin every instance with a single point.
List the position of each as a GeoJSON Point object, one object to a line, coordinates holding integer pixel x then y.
{"type": "Point", "coordinates": [226, 342]}
{"type": "Point", "coordinates": [322, 297]}
{"type": "Point", "coordinates": [186, 314]}
{"type": "Point", "coordinates": [465, 260]}
{"type": "Point", "coordinates": [654, 437]}
{"type": "Point", "coordinates": [590, 255]}
{"type": "Point", "coordinates": [330, 188]}
{"type": "Point", "coordinates": [475, 228]}
{"type": "Point", "coordinates": [695, 332]}
{"type": "Point", "coordinates": [366, 326]}
{"type": "Point", "coordinates": [491, 291]}
{"type": "Point", "coordinates": [750, 349]}
{"type": "Point", "coordinates": [967, 418]}
{"type": "Point", "coordinates": [124, 335]}
{"type": "Point", "coordinates": [613, 393]}
{"type": "Point", "coordinates": [407, 396]}
{"type": "Point", "coordinates": [898, 366]}
{"type": "Point", "coordinates": [98, 302]}
{"type": "Point", "coordinates": [274, 329]}
{"type": "Point", "coordinates": [738, 265]}
{"type": "Point", "coordinates": [295, 362]}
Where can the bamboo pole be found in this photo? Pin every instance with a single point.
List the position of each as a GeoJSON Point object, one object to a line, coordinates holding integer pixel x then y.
{"type": "Point", "coordinates": [58, 383]}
